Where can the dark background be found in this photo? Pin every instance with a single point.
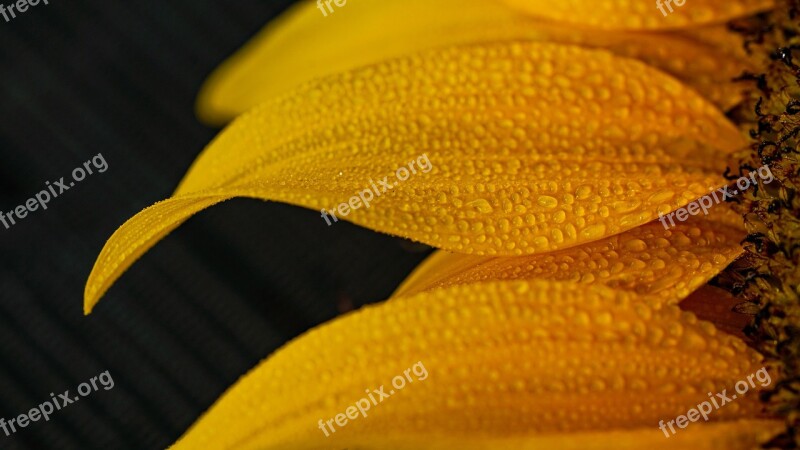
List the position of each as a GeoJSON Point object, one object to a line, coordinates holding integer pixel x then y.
{"type": "Point", "coordinates": [78, 78]}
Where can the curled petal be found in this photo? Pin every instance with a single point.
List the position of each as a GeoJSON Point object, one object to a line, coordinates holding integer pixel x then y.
{"type": "Point", "coordinates": [531, 147]}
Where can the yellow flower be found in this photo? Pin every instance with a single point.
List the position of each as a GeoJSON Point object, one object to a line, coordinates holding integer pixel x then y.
{"type": "Point", "coordinates": [556, 133]}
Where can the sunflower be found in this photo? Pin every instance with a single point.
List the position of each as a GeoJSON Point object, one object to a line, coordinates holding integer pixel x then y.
{"type": "Point", "coordinates": [557, 134]}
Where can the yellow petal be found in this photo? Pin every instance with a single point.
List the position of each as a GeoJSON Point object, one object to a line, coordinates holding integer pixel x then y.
{"type": "Point", "coordinates": [134, 238]}
{"type": "Point", "coordinates": [303, 45]}
{"type": "Point", "coordinates": [638, 14]}
{"type": "Point", "coordinates": [665, 265]}
{"type": "Point", "coordinates": [533, 147]}
{"type": "Point", "coordinates": [488, 361]}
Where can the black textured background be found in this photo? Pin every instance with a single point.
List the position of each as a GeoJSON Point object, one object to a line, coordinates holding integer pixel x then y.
{"type": "Point", "coordinates": [119, 78]}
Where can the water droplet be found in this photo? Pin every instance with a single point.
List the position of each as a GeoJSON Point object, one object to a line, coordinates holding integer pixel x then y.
{"type": "Point", "coordinates": [583, 192]}
{"type": "Point", "coordinates": [596, 231]}
{"type": "Point", "coordinates": [481, 205]}
{"type": "Point", "coordinates": [624, 207]}
{"type": "Point", "coordinates": [661, 197]}
{"type": "Point", "coordinates": [547, 201]}
{"type": "Point", "coordinates": [635, 245]}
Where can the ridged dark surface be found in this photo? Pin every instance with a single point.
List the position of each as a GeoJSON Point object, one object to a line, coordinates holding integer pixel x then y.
{"type": "Point", "coordinates": [79, 78]}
